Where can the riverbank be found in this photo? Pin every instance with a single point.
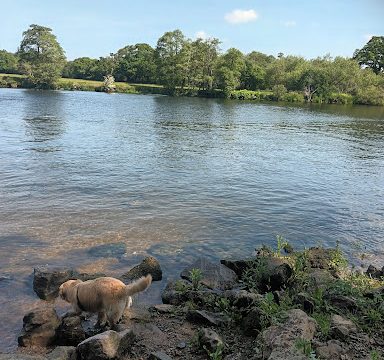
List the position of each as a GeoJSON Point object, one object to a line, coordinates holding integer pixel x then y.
{"type": "Point", "coordinates": [278, 304]}
{"type": "Point", "coordinates": [17, 81]}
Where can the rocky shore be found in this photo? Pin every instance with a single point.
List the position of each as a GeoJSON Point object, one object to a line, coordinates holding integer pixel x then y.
{"type": "Point", "coordinates": [278, 304]}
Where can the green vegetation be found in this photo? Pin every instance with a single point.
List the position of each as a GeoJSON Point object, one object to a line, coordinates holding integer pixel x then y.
{"type": "Point", "coordinates": [41, 57]}
{"type": "Point", "coordinates": [180, 66]}
{"type": "Point", "coordinates": [196, 276]}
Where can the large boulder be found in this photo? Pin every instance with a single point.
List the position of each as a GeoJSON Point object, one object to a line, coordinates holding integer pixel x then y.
{"type": "Point", "coordinates": [242, 299]}
{"type": "Point", "coordinates": [213, 276]}
{"type": "Point", "coordinates": [47, 280]}
{"type": "Point", "coordinates": [106, 346]}
{"type": "Point", "coordinates": [341, 327]}
{"type": "Point", "coordinates": [254, 321]}
{"type": "Point", "coordinates": [281, 339]}
{"type": "Point", "coordinates": [70, 331]}
{"type": "Point", "coordinates": [39, 327]}
{"type": "Point", "coordinates": [238, 266]}
{"type": "Point", "coordinates": [149, 265]}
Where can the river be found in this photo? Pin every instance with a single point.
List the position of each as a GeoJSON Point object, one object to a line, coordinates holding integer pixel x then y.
{"type": "Point", "coordinates": [98, 181]}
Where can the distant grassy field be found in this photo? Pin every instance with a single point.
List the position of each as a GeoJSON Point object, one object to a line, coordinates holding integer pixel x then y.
{"type": "Point", "coordinates": [15, 81]}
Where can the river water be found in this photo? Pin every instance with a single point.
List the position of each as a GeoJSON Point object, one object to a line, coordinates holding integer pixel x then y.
{"type": "Point", "coordinates": [98, 181]}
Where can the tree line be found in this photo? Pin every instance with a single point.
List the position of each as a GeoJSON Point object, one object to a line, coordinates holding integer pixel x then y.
{"type": "Point", "coordinates": [183, 65]}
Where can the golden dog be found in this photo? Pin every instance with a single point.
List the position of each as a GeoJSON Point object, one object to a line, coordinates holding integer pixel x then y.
{"type": "Point", "coordinates": [106, 296]}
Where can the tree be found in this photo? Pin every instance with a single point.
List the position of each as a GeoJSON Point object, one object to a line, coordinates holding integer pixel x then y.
{"type": "Point", "coordinates": [372, 54]}
{"type": "Point", "coordinates": [8, 62]}
{"type": "Point", "coordinates": [173, 55]}
{"type": "Point", "coordinates": [136, 63]}
{"type": "Point", "coordinates": [41, 56]}
{"type": "Point", "coordinates": [81, 68]}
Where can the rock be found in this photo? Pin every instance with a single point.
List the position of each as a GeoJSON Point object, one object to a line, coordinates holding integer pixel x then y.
{"type": "Point", "coordinates": [180, 291]}
{"type": "Point", "coordinates": [108, 250]}
{"type": "Point", "coordinates": [158, 355]}
{"type": "Point", "coordinates": [343, 302]}
{"type": "Point", "coordinates": [254, 321]}
{"type": "Point", "coordinates": [181, 345]}
{"type": "Point", "coordinates": [332, 350]}
{"type": "Point", "coordinates": [39, 327]}
{"type": "Point", "coordinates": [70, 331]}
{"type": "Point", "coordinates": [278, 339]}
{"type": "Point", "coordinates": [47, 280]}
{"type": "Point", "coordinates": [306, 302]}
{"type": "Point", "coordinates": [63, 353]}
{"type": "Point", "coordinates": [210, 340]}
{"type": "Point", "coordinates": [374, 273]}
{"type": "Point", "coordinates": [320, 258]}
{"type": "Point", "coordinates": [238, 266]}
{"type": "Point", "coordinates": [207, 318]}
{"type": "Point", "coordinates": [214, 276]}
{"type": "Point", "coordinates": [274, 273]}
{"type": "Point", "coordinates": [107, 345]}
{"type": "Point", "coordinates": [242, 298]}
{"type": "Point", "coordinates": [164, 308]}
{"type": "Point", "coordinates": [21, 357]}
{"type": "Point", "coordinates": [320, 278]}
{"type": "Point", "coordinates": [341, 327]}
{"type": "Point", "coordinates": [149, 265]}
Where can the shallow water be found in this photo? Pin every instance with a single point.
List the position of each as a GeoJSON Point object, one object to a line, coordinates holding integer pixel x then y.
{"type": "Point", "coordinates": [98, 181]}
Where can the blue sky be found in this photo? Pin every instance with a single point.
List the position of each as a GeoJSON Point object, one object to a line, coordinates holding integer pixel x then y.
{"type": "Point", "coordinates": [95, 28]}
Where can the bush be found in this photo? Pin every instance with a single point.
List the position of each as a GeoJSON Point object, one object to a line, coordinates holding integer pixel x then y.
{"type": "Point", "coordinates": [279, 92]}
{"type": "Point", "coordinates": [251, 95]}
{"type": "Point", "coordinates": [340, 98]}
{"type": "Point", "coordinates": [372, 95]}
{"type": "Point", "coordinates": [294, 96]}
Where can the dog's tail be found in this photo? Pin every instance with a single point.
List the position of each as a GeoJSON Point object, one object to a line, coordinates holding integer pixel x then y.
{"type": "Point", "coordinates": [139, 285]}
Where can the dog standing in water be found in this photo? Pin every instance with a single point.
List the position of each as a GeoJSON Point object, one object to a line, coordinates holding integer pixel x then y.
{"type": "Point", "coordinates": [106, 296]}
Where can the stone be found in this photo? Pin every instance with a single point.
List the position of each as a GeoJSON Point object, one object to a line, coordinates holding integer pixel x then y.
{"type": "Point", "coordinates": [320, 278]}
{"type": "Point", "coordinates": [158, 355]}
{"type": "Point", "coordinates": [320, 257]}
{"type": "Point", "coordinates": [210, 340]}
{"type": "Point", "coordinates": [63, 353]}
{"type": "Point", "coordinates": [332, 350]}
{"type": "Point", "coordinates": [274, 273]}
{"type": "Point", "coordinates": [180, 291]}
{"type": "Point", "coordinates": [238, 266]}
{"type": "Point", "coordinates": [39, 327]}
{"type": "Point", "coordinates": [70, 331]}
{"type": "Point", "coordinates": [341, 327]}
{"type": "Point", "coordinates": [306, 302]}
{"type": "Point", "coordinates": [254, 321]}
{"type": "Point", "coordinates": [214, 276]}
{"type": "Point", "coordinates": [108, 250]}
{"type": "Point", "coordinates": [149, 265]}
{"type": "Point", "coordinates": [105, 346]}
{"type": "Point", "coordinates": [373, 272]}
{"type": "Point", "coordinates": [207, 318]}
{"type": "Point", "coordinates": [21, 357]}
{"type": "Point", "coordinates": [282, 338]}
{"type": "Point", "coordinates": [343, 302]}
{"type": "Point", "coordinates": [181, 345]}
{"type": "Point", "coordinates": [242, 298]}
{"type": "Point", "coordinates": [47, 280]}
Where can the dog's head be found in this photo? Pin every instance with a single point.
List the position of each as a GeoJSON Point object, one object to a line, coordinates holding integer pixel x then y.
{"type": "Point", "coordinates": [66, 289]}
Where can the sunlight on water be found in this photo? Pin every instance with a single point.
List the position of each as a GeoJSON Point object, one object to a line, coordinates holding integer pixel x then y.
{"type": "Point", "coordinates": [97, 182]}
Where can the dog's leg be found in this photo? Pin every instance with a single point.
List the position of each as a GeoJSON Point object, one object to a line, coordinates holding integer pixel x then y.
{"type": "Point", "coordinates": [101, 319]}
{"type": "Point", "coordinates": [115, 313]}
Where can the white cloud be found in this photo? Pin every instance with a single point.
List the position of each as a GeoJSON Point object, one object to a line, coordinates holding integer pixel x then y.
{"type": "Point", "coordinates": [241, 16]}
{"type": "Point", "coordinates": [289, 23]}
{"type": "Point", "coordinates": [201, 35]}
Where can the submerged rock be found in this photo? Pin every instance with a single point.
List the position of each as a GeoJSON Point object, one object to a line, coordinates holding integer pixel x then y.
{"type": "Point", "coordinates": [149, 265]}
{"type": "Point", "coordinates": [213, 276]}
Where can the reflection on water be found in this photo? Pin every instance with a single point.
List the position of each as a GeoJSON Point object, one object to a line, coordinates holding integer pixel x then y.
{"type": "Point", "coordinates": [97, 181]}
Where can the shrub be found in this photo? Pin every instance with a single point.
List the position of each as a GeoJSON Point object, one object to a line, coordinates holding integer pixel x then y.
{"type": "Point", "coordinates": [371, 95]}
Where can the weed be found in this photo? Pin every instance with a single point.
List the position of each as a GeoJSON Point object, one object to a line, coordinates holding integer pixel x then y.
{"type": "Point", "coordinates": [338, 261]}
{"type": "Point", "coordinates": [255, 273]}
{"type": "Point", "coordinates": [282, 244]}
{"type": "Point", "coordinates": [196, 276]}
{"type": "Point", "coordinates": [181, 286]}
{"type": "Point", "coordinates": [305, 346]}
{"type": "Point", "coordinates": [375, 355]}
{"type": "Point", "coordinates": [324, 322]}
{"type": "Point", "coordinates": [217, 354]}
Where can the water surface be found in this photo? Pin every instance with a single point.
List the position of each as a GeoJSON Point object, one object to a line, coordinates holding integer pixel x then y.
{"type": "Point", "coordinates": [98, 181]}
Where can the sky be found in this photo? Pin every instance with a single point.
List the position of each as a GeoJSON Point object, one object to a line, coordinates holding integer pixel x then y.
{"type": "Point", "coordinates": [94, 28]}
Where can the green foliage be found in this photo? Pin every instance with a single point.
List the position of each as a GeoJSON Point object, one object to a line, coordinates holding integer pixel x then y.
{"type": "Point", "coordinates": [371, 95]}
{"type": "Point", "coordinates": [217, 354]}
{"type": "Point", "coordinates": [254, 274]}
{"type": "Point", "coordinates": [279, 91]}
{"type": "Point", "coordinates": [41, 56]}
{"type": "Point", "coordinates": [323, 320]}
{"type": "Point", "coordinates": [8, 62]}
{"type": "Point", "coordinates": [305, 346]}
{"type": "Point", "coordinates": [372, 54]}
{"type": "Point", "coordinates": [338, 261]}
{"type": "Point", "coordinates": [196, 276]}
